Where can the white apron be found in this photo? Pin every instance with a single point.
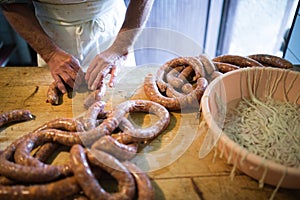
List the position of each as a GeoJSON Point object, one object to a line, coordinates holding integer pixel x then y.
{"type": "Point", "coordinates": [82, 28]}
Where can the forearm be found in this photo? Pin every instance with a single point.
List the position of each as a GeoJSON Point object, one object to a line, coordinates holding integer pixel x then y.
{"type": "Point", "coordinates": [23, 20]}
{"type": "Point", "coordinates": [136, 17]}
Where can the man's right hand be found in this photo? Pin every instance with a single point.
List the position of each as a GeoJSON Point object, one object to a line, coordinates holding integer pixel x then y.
{"type": "Point", "coordinates": [65, 69]}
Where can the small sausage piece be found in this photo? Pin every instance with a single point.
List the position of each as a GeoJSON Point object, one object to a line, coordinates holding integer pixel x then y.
{"type": "Point", "coordinates": [15, 116]}
{"type": "Point", "coordinates": [53, 94]}
{"type": "Point", "coordinates": [207, 64]}
{"type": "Point", "coordinates": [240, 61]}
{"type": "Point", "coordinates": [272, 60]}
{"type": "Point", "coordinates": [225, 67]}
{"type": "Point", "coordinates": [110, 164]}
{"type": "Point", "coordinates": [110, 145]}
{"type": "Point", "coordinates": [94, 96]}
{"type": "Point", "coordinates": [144, 186]}
{"type": "Point", "coordinates": [59, 190]}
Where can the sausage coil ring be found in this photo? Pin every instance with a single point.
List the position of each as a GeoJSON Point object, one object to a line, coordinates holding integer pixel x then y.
{"type": "Point", "coordinates": [193, 62]}
{"type": "Point", "coordinates": [143, 134]}
{"type": "Point", "coordinates": [110, 164]}
{"type": "Point", "coordinates": [143, 183]}
{"type": "Point", "coordinates": [177, 103]}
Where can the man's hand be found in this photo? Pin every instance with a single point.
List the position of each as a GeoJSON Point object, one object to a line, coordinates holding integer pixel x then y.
{"type": "Point", "coordinates": [105, 63]}
{"type": "Point", "coordinates": [65, 69]}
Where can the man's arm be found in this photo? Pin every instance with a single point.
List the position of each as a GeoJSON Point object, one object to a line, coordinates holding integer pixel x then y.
{"type": "Point", "coordinates": [22, 19]}
{"type": "Point", "coordinates": [63, 66]}
{"type": "Point", "coordinates": [107, 62]}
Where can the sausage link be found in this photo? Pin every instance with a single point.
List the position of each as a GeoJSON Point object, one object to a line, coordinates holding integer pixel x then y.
{"type": "Point", "coordinates": [110, 145]}
{"type": "Point", "coordinates": [45, 151]}
{"type": "Point", "coordinates": [94, 96]}
{"type": "Point", "coordinates": [178, 103]}
{"type": "Point", "coordinates": [272, 60]}
{"type": "Point", "coordinates": [23, 173]}
{"type": "Point", "coordinates": [22, 154]}
{"type": "Point", "coordinates": [6, 181]}
{"type": "Point", "coordinates": [186, 75]}
{"type": "Point", "coordinates": [53, 94]}
{"type": "Point", "coordinates": [67, 124]}
{"type": "Point", "coordinates": [144, 186]}
{"type": "Point", "coordinates": [214, 75]}
{"type": "Point", "coordinates": [187, 88]}
{"type": "Point", "coordinates": [144, 134]}
{"type": "Point", "coordinates": [172, 77]}
{"type": "Point", "coordinates": [194, 62]}
{"type": "Point", "coordinates": [110, 164]}
{"type": "Point", "coordinates": [240, 61]}
{"type": "Point", "coordinates": [90, 118]}
{"type": "Point", "coordinates": [225, 67]}
{"type": "Point", "coordinates": [160, 74]}
{"type": "Point", "coordinates": [59, 190]}
{"type": "Point", "coordinates": [172, 92]}
{"type": "Point", "coordinates": [15, 116]}
{"type": "Point", "coordinates": [207, 64]}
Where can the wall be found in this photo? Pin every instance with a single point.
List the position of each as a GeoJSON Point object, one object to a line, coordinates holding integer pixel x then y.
{"type": "Point", "coordinates": [293, 49]}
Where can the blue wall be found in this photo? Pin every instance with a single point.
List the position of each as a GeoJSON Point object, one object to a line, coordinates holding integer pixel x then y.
{"type": "Point", "coordinates": [293, 49]}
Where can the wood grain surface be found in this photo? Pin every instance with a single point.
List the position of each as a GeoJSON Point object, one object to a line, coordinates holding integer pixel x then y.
{"type": "Point", "coordinates": [183, 176]}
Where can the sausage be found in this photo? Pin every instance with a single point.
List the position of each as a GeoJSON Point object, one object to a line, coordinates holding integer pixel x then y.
{"type": "Point", "coordinates": [22, 154]}
{"type": "Point", "coordinates": [67, 124]}
{"type": "Point", "coordinates": [45, 151]}
{"type": "Point", "coordinates": [90, 117]}
{"type": "Point", "coordinates": [207, 64]}
{"type": "Point", "coordinates": [240, 61]}
{"type": "Point", "coordinates": [110, 164]}
{"type": "Point", "coordinates": [60, 189]}
{"type": "Point", "coordinates": [160, 74]}
{"type": "Point", "coordinates": [172, 92]}
{"type": "Point", "coordinates": [187, 88]}
{"type": "Point", "coordinates": [272, 60]}
{"type": "Point", "coordinates": [194, 62]}
{"type": "Point", "coordinates": [144, 186]}
{"type": "Point", "coordinates": [53, 94]}
{"type": "Point", "coordinates": [144, 134]}
{"type": "Point", "coordinates": [172, 77]}
{"type": "Point", "coordinates": [225, 67]}
{"type": "Point", "coordinates": [214, 75]}
{"type": "Point", "coordinates": [186, 75]}
{"type": "Point", "coordinates": [94, 96]}
{"type": "Point", "coordinates": [6, 181]}
{"type": "Point", "coordinates": [110, 145]}
{"type": "Point", "coordinates": [178, 103]}
{"type": "Point", "coordinates": [23, 173]}
{"type": "Point", "coordinates": [15, 116]}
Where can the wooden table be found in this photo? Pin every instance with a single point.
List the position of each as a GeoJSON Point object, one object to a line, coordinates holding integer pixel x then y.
{"type": "Point", "coordinates": [186, 177]}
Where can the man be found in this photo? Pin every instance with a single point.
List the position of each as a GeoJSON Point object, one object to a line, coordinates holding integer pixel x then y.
{"type": "Point", "coordinates": [76, 36]}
